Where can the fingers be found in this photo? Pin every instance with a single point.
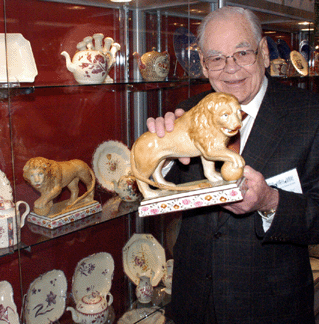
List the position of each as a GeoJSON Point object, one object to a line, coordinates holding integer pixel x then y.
{"type": "Point", "coordinates": [185, 160]}
{"type": "Point", "coordinates": [156, 126]}
{"type": "Point", "coordinates": [169, 121]}
{"type": "Point", "coordinates": [150, 123]}
{"type": "Point", "coordinates": [160, 124]}
{"type": "Point", "coordinates": [179, 112]}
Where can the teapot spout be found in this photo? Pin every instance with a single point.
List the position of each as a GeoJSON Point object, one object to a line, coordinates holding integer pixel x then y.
{"type": "Point", "coordinates": [75, 315]}
{"type": "Point", "coordinates": [70, 66]}
{"type": "Point", "coordinates": [140, 63]}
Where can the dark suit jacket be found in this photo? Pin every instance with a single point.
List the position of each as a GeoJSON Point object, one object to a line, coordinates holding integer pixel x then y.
{"type": "Point", "coordinates": [255, 277]}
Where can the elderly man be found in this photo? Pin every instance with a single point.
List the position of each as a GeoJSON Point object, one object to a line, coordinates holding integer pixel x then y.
{"type": "Point", "coordinates": [247, 262]}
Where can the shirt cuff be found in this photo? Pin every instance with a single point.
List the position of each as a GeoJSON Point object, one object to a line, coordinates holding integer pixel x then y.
{"type": "Point", "coordinates": [166, 169]}
{"type": "Point", "coordinates": [267, 221]}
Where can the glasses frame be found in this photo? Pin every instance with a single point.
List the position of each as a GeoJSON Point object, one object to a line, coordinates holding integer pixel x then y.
{"type": "Point", "coordinates": [229, 56]}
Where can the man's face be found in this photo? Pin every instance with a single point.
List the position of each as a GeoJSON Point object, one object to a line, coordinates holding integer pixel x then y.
{"type": "Point", "coordinates": [227, 37]}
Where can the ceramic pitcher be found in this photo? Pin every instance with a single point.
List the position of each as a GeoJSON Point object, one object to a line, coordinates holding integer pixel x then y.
{"type": "Point", "coordinates": [144, 290]}
{"type": "Point", "coordinates": [10, 224]}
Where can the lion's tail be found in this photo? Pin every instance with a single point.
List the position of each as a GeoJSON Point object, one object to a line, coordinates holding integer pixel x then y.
{"type": "Point", "coordinates": [140, 177]}
{"type": "Point", "coordinates": [87, 192]}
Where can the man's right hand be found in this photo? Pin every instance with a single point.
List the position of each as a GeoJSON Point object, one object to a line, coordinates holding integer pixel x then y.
{"type": "Point", "coordinates": [160, 125]}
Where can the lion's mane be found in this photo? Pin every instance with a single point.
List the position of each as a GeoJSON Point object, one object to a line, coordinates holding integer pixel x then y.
{"type": "Point", "coordinates": [50, 168]}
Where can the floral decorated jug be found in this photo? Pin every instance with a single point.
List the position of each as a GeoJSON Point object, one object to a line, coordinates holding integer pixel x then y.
{"type": "Point", "coordinates": [92, 308]}
{"type": "Point", "coordinates": [92, 62]}
{"type": "Point", "coordinates": [10, 221]}
{"type": "Point", "coordinates": [144, 290]}
{"type": "Point", "coordinates": [154, 66]}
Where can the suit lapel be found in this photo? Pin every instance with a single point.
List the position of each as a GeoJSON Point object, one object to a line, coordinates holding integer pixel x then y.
{"type": "Point", "coordinates": [268, 130]}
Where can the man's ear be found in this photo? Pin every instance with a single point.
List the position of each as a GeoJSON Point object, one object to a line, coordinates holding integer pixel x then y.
{"type": "Point", "coordinates": [265, 52]}
{"type": "Point", "coordinates": [205, 72]}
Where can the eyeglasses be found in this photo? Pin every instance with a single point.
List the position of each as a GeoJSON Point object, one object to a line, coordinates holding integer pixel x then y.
{"type": "Point", "coordinates": [241, 58]}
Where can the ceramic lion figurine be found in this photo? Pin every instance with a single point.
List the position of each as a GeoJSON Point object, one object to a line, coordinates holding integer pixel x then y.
{"type": "Point", "coordinates": [203, 131]}
{"type": "Point", "coordinates": [49, 177]}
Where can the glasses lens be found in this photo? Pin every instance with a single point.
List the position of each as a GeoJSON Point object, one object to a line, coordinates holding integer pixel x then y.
{"type": "Point", "coordinates": [216, 62]}
{"type": "Point", "coordinates": [245, 58]}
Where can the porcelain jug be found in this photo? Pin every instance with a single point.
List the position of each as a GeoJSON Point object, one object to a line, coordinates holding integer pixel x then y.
{"type": "Point", "coordinates": [92, 62]}
{"type": "Point", "coordinates": [144, 290]}
{"type": "Point", "coordinates": [11, 223]}
{"type": "Point", "coordinates": [92, 308]}
{"type": "Point", "coordinates": [154, 66]}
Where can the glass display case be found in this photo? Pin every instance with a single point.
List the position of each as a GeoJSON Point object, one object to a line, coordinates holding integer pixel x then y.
{"type": "Point", "coordinates": [47, 112]}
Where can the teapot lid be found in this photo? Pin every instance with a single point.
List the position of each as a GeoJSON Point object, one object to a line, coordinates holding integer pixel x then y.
{"type": "Point", "coordinates": [92, 303]}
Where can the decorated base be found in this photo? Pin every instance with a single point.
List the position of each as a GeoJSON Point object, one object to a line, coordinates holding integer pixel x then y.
{"type": "Point", "coordinates": [65, 218]}
{"type": "Point", "coordinates": [221, 193]}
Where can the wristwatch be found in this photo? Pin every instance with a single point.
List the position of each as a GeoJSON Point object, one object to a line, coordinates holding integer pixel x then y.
{"type": "Point", "coordinates": [267, 213]}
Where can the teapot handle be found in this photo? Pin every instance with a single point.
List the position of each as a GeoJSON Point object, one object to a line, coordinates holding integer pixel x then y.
{"type": "Point", "coordinates": [109, 303]}
{"type": "Point", "coordinates": [25, 214]}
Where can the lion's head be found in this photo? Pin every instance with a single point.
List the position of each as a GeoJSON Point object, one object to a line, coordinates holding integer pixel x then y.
{"type": "Point", "coordinates": [218, 114]}
{"type": "Point", "coordinates": [39, 172]}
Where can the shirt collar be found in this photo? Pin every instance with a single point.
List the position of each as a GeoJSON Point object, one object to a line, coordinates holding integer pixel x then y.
{"type": "Point", "coordinates": [253, 107]}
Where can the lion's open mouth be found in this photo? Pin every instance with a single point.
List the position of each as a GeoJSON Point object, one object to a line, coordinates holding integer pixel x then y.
{"type": "Point", "coordinates": [229, 132]}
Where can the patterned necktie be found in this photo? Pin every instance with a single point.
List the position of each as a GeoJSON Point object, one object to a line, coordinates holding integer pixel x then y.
{"type": "Point", "coordinates": [234, 142]}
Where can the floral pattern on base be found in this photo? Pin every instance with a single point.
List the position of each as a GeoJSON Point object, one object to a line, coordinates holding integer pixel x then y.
{"type": "Point", "coordinates": [66, 219]}
{"type": "Point", "coordinates": [195, 199]}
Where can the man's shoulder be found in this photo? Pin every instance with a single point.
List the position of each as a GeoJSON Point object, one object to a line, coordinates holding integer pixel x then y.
{"type": "Point", "coordinates": [283, 90]}
{"type": "Point", "coordinates": [194, 100]}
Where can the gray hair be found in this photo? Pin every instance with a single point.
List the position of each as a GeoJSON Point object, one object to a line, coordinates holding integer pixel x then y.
{"type": "Point", "coordinates": [229, 12]}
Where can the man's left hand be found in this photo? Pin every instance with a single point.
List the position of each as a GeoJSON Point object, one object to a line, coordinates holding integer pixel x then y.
{"type": "Point", "coordinates": [259, 196]}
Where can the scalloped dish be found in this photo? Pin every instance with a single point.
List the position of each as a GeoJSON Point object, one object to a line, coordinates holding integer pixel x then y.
{"type": "Point", "coordinates": [21, 63]}
{"type": "Point", "coordinates": [111, 160]}
{"type": "Point", "coordinates": [143, 255]}
{"type": "Point", "coordinates": [93, 274]}
{"type": "Point", "coordinates": [45, 301]}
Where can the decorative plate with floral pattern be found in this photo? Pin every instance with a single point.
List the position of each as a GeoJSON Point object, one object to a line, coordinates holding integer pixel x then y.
{"type": "Point", "coordinates": [143, 255]}
{"type": "Point", "coordinates": [45, 301]}
{"type": "Point", "coordinates": [93, 274]}
{"type": "Point", "coordinates": [111, 161]}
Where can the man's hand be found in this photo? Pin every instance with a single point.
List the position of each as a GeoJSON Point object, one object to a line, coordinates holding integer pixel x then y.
{"type": "Point", "coordinates": [259, 196]}
{"type": "Point", "coordinates": [160, 125]}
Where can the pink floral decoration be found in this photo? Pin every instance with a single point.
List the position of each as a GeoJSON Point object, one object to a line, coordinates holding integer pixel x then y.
{"type": "Point", "coordinates": [233, 193]}
{"type": "Point", "coordinates": [186, 201]}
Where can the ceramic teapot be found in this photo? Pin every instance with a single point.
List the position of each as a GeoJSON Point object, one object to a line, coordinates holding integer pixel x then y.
{"type": "Point", "coordinates": [91, 63]}
{"type": "Point", "coordinates": [154, 66]}
{"type": "Point", "coordinates": [92, 308]}
{"type": "Point", "coordinates": [127, 188]}
{"type": "Point", "coordinates": [10, 222]}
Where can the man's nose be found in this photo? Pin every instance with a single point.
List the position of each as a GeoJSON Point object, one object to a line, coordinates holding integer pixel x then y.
{"type": "Point", "coordinates": [231, 65]}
